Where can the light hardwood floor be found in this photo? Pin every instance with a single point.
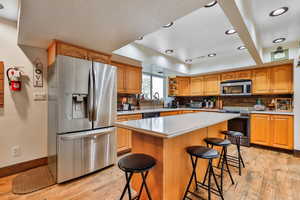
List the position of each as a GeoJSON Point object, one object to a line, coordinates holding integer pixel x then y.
{"type": "Point", "coordinates": [269, 175]}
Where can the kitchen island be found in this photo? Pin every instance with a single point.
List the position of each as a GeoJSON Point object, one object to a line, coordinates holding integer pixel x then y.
{"type": "Point", "coordinates": [165, 138]}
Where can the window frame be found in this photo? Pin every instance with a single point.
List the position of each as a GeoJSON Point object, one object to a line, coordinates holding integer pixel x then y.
{"type": "Point", "coordinates": [151, 84]}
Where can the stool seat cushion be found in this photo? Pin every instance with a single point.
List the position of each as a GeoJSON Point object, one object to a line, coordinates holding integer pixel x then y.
{"type": "Point", "coordinates": [136, 163]}
{"type": "Point", "coordinates": [202, 152]}
{"type": "Point", "coordinates": [217, 141]}
{"type": "Point", "coordinates": [232, 133]}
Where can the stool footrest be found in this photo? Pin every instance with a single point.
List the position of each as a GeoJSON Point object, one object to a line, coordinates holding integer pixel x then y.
{"type": "Point", "coordinates": [204, 186]}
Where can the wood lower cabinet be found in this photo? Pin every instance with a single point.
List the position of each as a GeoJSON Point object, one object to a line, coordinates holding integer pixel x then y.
{"type": "Point", "coordinates": [124, 135]}
{"type": "Point", "coordinates": [169, 113]}
{"type": "Point", "coordinates": [197, 86]}
{"type": "Point", "coordinates": [282, 79]}
{"type": "Point", "coordinates": [282, 129]}
{"type": "Point", "coordinates": [212, 85]}
{"type": "Point", "coordinates": [260, 129]}
{"type": "Point", "coordinates": [272, 130]}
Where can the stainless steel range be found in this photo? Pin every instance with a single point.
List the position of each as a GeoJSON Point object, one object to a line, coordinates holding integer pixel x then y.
{"type": "Point", "coordinates": [241, 124]}
{"type": "Point", "coordinates": [82, 107]}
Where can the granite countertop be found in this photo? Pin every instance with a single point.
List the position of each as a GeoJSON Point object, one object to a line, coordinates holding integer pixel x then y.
{"type": "Point", "coordinates": [171, 126]}
{"type": "Point", "coordinates": [200, 109]}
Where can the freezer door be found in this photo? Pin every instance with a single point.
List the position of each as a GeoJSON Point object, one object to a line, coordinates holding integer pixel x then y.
{"type": "Point", "coordinates": [85, 152]}
{"type": "Point", "coordinates": [105, 95]}
{"type": "Point", "coordinates": [73, 94]}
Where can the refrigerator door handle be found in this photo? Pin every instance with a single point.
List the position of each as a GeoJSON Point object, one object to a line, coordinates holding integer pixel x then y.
{"type": "Point", "coordinates": [95, 103]}
{"type": "Point", "coordinates": [91, 96]}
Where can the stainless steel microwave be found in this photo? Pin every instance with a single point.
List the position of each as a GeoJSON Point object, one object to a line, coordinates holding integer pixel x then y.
{"type": "Point", "coordinates": [236, 88]}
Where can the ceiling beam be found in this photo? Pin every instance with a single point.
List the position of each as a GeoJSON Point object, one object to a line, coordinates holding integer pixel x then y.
{"type": "Point", "coordinates": [234, 16]}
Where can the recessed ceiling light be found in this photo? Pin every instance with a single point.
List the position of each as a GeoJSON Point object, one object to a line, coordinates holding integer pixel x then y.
{"type": "Point", "coordinates": [278, 11]}
{"type": "Point", "coordinates": [141, 38]}
{"type": "Point", "coordinates": [211, 4]}
{"type": "Point", "coordinates": [169, 51]}
{"type": "Point", "coordinates": [1, 6]}
{"type": "Point", "coordinates": [278, 40]}
{"type": "Point", "coordinates": [212, 55]}
{"type": "Point", "coordinates": [168, 25]}
{"type": "Point", "coordinates": [230, 31]}
{"type": "Point", "coordinates": [241, 48]}
{"type": "Point", "coordinates": [188, 60]}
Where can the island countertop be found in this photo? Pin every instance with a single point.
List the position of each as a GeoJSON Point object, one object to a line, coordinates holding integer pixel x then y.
{"type": "Point", "coordinates": [171, 126]}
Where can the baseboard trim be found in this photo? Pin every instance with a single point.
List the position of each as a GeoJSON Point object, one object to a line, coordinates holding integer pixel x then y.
{"type": "Point", "coordinates": [297, 153]}
{"type": "Point", "coordinates": [272, 148]}
{"type": "Point", "coordinates": [20, 167]}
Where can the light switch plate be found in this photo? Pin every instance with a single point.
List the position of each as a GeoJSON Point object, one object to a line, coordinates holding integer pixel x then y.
{"type": "Point", "coordinates": [39, 96]}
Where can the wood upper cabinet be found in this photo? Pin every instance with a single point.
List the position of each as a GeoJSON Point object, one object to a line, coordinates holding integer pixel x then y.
{"type": "Point", "coordinates": [129, 78]}
{"type": "Point", "coordinates": [261, 81]}
{"type": "Point", "coordinates": [282, 79]}
{"type": "Point", "coordinates": [183, 86]}
{"type": "Point", "coordinates": [260, 129]}
{"type": "Point", "coordinates": [272, 130]}
{"type": "Point", "coordinates": [282, 130]}
{"type": "Point", "coordinates": [197, 86]}
{"type": "Point", "coordinates": [228, 76]}
{"type": "Point", "coordinates": [72, 51]}
{"type": "Point", "coordinates": [98, 57]}
{"type": "Point", "coordinates": [62, 48]}
{"type": "Point", "coordinates": [212, 85]}
{"type": "Point", "coordinates": [244, 75]}
{"type": "Point", "coordinates": [133, 80]}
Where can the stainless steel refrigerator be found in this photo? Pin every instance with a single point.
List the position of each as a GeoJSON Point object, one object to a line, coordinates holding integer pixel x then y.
{"type": "Point", "coordinates": [82, 107]}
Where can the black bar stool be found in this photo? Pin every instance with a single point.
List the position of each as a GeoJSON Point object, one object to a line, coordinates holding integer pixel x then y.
{"type": "Point", "coordinates": [234, 161]}
{"type": "Point", "coordinates": [224, 143]}
{"type": "Point", "coordinates": [136, 163]}
{"type": "Point", "coordinates": [202, 152]}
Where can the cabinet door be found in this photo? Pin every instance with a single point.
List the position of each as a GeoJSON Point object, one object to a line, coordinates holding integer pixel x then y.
{"type": "Point", "coordinates": [133, 80]}
{"type": "Point", "coordinates": [282, 131]}
{"type": "Point", "coordinates": [197, 86]}
{"type": "Point", "coordinates": [169, 113]}
{"type": "Point", "coordinates": [260, 129]}
{"type": "Point", "coordinates": [123, 136]}
{"type": "Point", "coordinates": [212, 85]}
{"type": "Point", "coordinates": [244, 75]}
{"type": "Point", "coordinates": [261, 81]}
{"type": "Point", "coordinates": [121, 79]}
{"type": "Point", "coordinates": [228, 76]}
{"type": "Point", "coordinates": [281, 79]}
{"type": "Point", "coordinates": [183, 86]}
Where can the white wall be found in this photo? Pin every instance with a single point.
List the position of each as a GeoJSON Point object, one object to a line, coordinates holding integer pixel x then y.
{"type": "Point", "coordinates": [23, 121]}
{"type": "Point", "coordinates": [297, 102]}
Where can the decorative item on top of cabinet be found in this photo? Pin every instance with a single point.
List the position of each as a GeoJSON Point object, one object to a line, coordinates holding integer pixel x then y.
{"type": "Point", "coordinates": [129, 78]}
{"type": "Point", "coordinates": [261, 81]}
{"type": "Point", "coordinates": [1, 84]}
{"type": "Point", "coordinates": [212, 85]}
{"type": "Point", "coordinates": [197, 86]}
{"type": "Point", "coordinates": [62, 48]}
{"type": "Point", "coordinates": [282, 79]}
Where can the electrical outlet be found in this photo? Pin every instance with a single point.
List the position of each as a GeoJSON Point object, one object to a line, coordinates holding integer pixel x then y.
{"type": "Point", "coordinates": [16, 151]}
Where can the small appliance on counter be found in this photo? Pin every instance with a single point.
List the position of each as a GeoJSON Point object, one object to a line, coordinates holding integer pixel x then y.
{"type": "Point", "coordinates": [196, 104]}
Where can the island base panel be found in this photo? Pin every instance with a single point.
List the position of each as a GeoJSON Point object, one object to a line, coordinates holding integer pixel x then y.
{"type": "Point", "coordinates": [169, 178]}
